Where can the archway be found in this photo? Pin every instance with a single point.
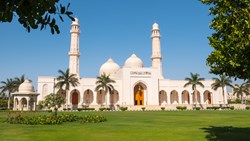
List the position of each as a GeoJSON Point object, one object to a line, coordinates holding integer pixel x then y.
{"type": "Point", "coordinates": [88, 97]}
{"type": "Point", "coordinates": [139, 94]}
{"type": "Point", "coordinates": [174, 97]}
{"type": "Point", "coordinates": [162, 97]}
{"type": "Point", "coordinates": [207, 97]}
{"type": "Point", "coordinates": [23, 104]}
{"type": "Point", "coordinates": [185, 97]}
{"type": "Point", "coordinates": [114, 97]}
{"type": "Point", "coordinates": [100, 97]}
{"type": "Point", "coordinates": [75, 98]}
{"type": "Point", "coordinates": [31, 104]}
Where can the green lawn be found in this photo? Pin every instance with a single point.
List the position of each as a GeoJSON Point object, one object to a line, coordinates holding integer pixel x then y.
{"type": "Point", "coordinates": [139, 126]}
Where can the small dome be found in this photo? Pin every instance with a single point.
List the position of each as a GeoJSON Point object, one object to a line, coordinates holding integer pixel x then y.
{"type": "Point", "coordinates": [133, 62]}
{"type": "Point", "coordinates": [109, 68]}
{"type": "Point", "coordinates": [155, 26]}
{"type": "Point", "coordinates": [26, 87]}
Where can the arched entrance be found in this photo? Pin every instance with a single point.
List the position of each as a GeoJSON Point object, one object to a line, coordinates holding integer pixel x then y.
{"type": "Point", "coordinates": [139, 94]}
{"type": "Point", "coordinates": [174, 99]}
{"type": "Point", "coordinates": [75, 97]}
{"type": "Point", "coordinates": [23, 104]}
{"type": "Point", "coordinates": [88, 97]}
{"type": "Point", "coordinates": [114, 97]}
{"type": "Point", "coordinates": [185, 97]}
{"type": "Point", "coordinates": [207, 97]}
{"type": "Point", "coordinates": [162, 97]}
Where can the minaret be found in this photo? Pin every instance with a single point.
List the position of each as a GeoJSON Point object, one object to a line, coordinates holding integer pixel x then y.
{"type": "Point", "coordinates": [74, 53]}
{"type": "Point", "coordinates": [156, 49]}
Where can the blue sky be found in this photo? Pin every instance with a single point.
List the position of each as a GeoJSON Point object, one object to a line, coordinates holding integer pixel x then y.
{"type": "Point", "coordinates": [116, 29]}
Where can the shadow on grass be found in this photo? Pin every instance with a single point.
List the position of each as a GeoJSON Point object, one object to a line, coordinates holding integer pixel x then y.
{"type": "Point", "coordinates": [227, 133]}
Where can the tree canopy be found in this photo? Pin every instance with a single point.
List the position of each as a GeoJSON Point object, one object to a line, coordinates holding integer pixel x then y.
{"type": "Point", "coordinates": [33, 14]}
{"type": "Point", "coordinates": [231, 39]}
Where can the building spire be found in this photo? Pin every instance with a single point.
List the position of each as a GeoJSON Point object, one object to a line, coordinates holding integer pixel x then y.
{"type": "Point", "coordinates": [74, 53]}
{"type": "Point", "coordinates": [156, 49]}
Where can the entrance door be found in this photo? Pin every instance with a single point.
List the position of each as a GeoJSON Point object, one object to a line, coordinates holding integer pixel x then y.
{"type": "Point", "coordinates": [74, 100]}
{"type": "Point", "coordinates": [139, 95]}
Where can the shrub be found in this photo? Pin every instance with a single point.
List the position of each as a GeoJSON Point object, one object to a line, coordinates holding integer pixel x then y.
{"type": "Point", "coordinates": [104, 109]}
{"type": "Point", "coordinates": [231, 107]}
{"type": "Point", "coordinates": [143, 108]}
{"type": "Point", "coordinates": [162, 108]}
{"type": "Point", "coordinates": [181, 107]}
{"type": "Point", "coordinates": [85, 109]}
{"type": "Point", "coordinates": [52, 120]}
{"type": "Point", "coordinates": [197, 108]}
{"type": "Point", "coordinates": [247, 108]}
{"type": "Point", "coordinates": [123, 108]}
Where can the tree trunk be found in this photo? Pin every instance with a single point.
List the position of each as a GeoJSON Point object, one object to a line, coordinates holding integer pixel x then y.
{"type": "Point", "coordinates": [9, 101]}
{"type": "Point", "coordinates": [223, 95]}
{"type": "Point", "coordinates": [196, 98]}
{"type": "Point", "coordinates": [66, 98]}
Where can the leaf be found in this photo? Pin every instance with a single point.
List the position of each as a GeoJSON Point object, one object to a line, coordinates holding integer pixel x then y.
{"type": "Point", "coordinates": [61, 18]}
{"type": "Point", "coordinates": [68, 6]}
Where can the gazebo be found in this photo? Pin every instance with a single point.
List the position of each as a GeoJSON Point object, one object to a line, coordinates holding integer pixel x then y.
{"type": "Point", "coordinates": [26, 98]}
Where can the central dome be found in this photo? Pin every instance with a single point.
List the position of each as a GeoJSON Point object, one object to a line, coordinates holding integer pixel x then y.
{"type": "Point", "coordinates": [133, 62]}
{"type": "Point", "coordinates": [26, 87]}
{"type": "Point", "coordinates": [109, 68]}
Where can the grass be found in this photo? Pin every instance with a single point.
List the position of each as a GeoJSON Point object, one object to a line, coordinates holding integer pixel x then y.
{"type": "Point", "coordinates": [139, 126]}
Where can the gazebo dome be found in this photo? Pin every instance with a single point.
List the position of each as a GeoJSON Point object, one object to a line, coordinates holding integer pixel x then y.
{"type": "Point", "coordinates": [133, 62]}
{"type": "Point", "coordinates": [26, 87]}
{"type": "Point", "coordinates": [109, 68]}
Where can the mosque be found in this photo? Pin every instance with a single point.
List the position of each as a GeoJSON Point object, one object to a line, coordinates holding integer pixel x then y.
{"type": "Point", "coordinates": [136, 86]}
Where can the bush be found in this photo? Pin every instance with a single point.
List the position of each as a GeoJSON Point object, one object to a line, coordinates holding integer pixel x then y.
{"type": "Point", "coordinates": [85, 109]}
{"type": "Point", "coordinates": [162, 108]}
{"type": "Point", "coordinates": [143, 108]}
{"type": "Point", "coordinates": [123, 108]}
{"type": "Point", "coordinates": [104, 109]}
{"type": "Point", "coordinates": [197, 108]}
{"type": "Point", "coordinates": [247, 108]}
{"type": "Point", "coordinates": [181, 107]}
{"type": "Point", "coordinates": [213, 108]}
{"type": "Point", "coordinates": [231, 107]}
{"type": "Point", "coordinates": [52, 120]}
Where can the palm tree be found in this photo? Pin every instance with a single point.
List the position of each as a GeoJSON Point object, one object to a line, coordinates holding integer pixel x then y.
{"type": "Point", "coordinates": [18, 81]}
{"type": "Point", "coordinates": [194, 80]}
{"type": "Point", "coordinates": [8, 86]}
{"type": "Point", "coordinates": [65, 79]}
{"type": "Point", "coordinates": [222, 82]}
{"type": "Point", "coordinates": [241, 90]}
{"type": "Point", "coordinates": [103, 82]}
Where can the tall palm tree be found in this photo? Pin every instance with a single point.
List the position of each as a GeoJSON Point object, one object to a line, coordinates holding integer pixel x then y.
{"type": "Point", "coordinates": [8, 86]}
{"type": "Point", "coordinates": [241, 90]}
{"type": "Point", "coordinates": [222, 82]}
{"type": "Point", "coordinates": [103, 82]}
{"type": "Point", "coordinates": [195, 81]}
{"type": "Point", "coordinates": [65, 80]}
{"type": "Point", "coordinates": [18, 81]}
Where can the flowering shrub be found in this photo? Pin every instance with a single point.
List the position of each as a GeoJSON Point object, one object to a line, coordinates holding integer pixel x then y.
{"type": "Point", "coordinates": [52, 120]}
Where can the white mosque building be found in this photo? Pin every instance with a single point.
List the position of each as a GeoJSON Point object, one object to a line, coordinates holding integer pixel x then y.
{"type": "Point", "coordinates": [136, 86]}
